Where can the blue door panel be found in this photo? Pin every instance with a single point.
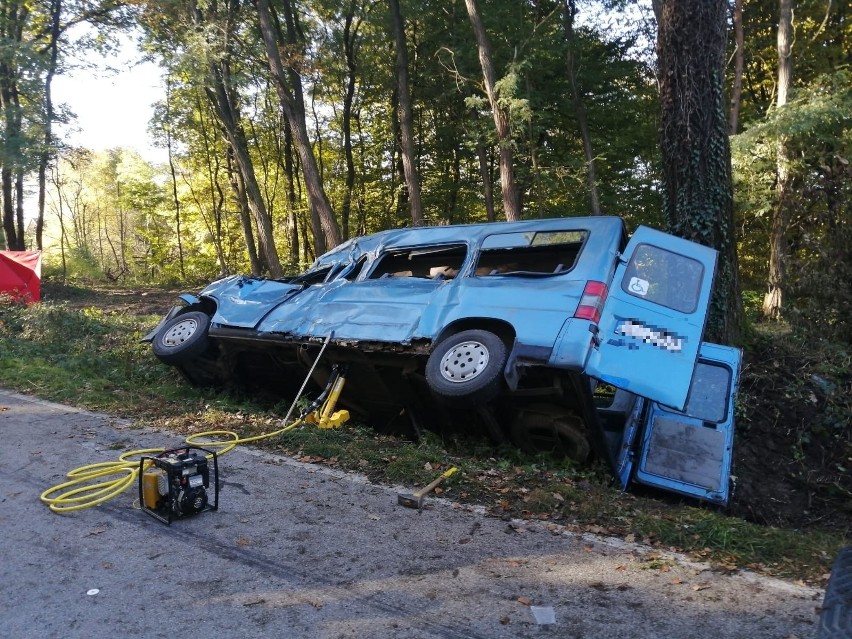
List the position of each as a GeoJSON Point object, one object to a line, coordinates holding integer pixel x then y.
{"type": "Point", "coordinates": [653, 320]}
{"type": "Point", "coordinates": [371, 310]}
{"type": "Point", "coordinates": [690, 452]}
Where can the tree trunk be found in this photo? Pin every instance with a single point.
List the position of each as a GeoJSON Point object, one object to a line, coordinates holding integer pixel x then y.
{"type": "Point", "coordinates": [292, 202]}
{"type": "Point", "coordinates": [406, 125]}
{"type": "Point", "coordinates": [223, 99]}
{"type": "Point", "coordinates": [511, 203]}
{"type": "Point", "coordinates": [175, 198]}
{"type": "Point", "coordinates": [230, 120]}
{"type": "Point", "coordinates": [773, 301]}
{"type": "Point", "coordinates": [44, 156]}
{"type": "Point", "coordinates": [568, 14]}
{"type": "Point", "coordinates": [8, 209]}
{"type": "Point", "coordinates": [19, 209]}
{"type": "Point", "coordinates": [11, 32]}
{"type": "Point", "coordinates": [698, 190]}
{"type": "Point", "coordinates": [350, 35]}
{"type": "Point", "coordinates": [485, 176]}
{"type": "Point", "coordinates": [739, 61]}
{"type": "Point", "coordinates": [245, 214]}
{"type": "Point", "coordinates": [294, 111]}
{"type": "Point", "coordinates": [60, 213]}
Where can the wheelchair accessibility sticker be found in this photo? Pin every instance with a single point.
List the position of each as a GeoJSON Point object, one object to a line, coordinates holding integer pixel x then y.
{"type": "Point", "coordinates": [638, 286]}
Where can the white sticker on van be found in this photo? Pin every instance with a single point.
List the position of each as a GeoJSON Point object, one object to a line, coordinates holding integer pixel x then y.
{"type": "Point", "coordinates": [657, 337]}
{"type": "Point", "coordinates": [638, 286]}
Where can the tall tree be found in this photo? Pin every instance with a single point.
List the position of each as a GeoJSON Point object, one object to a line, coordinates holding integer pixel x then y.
{"type": "Point", "coordinates": [739, 63]}
{"type": "Point", "coordinates": [691, 41]}
{"type": "Point", "coordinates": [406, 126]}
{"type": "Point", "coordinates": [292, 103]}
{"type": "Point", "coordinates": [168, 125]}
{"type": "Point", "coordinates": [225, 101]}
{"type": "Point", "coordinates": [14, 54]}
{"type": "Point", "coordinates": [569, 12]}
{"type": "Point", "coordinates": [350, 45]}
{"type": "Point", "coordinates": [774, 299]}
{"type": "Point", "coordinates": [511, 201]}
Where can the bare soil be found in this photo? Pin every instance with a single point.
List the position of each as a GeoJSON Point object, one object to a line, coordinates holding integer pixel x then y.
{"type": "Point", "coordinates": [793, 449]}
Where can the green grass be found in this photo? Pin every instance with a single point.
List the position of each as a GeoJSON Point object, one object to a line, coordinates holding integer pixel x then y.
{"type": "Point", "coordinates": [92, 358]}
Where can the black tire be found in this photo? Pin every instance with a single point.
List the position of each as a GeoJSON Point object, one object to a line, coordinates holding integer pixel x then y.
{"type": "Point", "coordinates": [467, 368]}
{"type": "Point", "coordinates": [548, 430]}
{"type": "Point", "coordinates": [183, 338]}
{"type": "Point", "coordinates": [835, 620]}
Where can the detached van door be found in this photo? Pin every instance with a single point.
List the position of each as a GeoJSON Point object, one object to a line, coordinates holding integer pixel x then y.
{"type": "Point", "coordinates": [653, 319]}
{"type": "Point", "coordinates": [690, 452]}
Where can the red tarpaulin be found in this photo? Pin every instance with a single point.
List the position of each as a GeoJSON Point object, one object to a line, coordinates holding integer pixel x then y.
{"type": "Point", "coordinates": [20, 275]}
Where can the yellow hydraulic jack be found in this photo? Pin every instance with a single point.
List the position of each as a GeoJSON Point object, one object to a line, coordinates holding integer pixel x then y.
{"type": "Point", "coordinates": [325, 416]}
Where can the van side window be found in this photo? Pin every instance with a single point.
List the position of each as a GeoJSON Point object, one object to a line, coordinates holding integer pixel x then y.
{"type": "Point", "coordinates": [530, 254]}
{"type": "Point", "coordinates": [351, 274]}
{"type": "Point", "coordinates": [317, 276]}
{"type": "Point", "coordinates": [431, 263]}
{"type": "Point", "coordinates": [664, 278]}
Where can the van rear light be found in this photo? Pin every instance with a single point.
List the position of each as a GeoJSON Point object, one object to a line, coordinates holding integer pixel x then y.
{"type": "Point", "coordinates": [591, 304]}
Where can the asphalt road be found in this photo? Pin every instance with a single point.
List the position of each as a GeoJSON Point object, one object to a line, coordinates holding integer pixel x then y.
{"type": "Point", "coordinates": [300, 551]}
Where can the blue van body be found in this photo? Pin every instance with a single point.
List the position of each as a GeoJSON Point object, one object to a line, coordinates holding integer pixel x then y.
{"type": "Point", "coordinates": [558, 334]}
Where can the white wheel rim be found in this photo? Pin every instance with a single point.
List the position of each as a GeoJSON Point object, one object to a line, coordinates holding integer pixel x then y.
{"type": "Point", "coordinates": [464, 362]}
{"type": "Point", "coordinates": [180, 332]}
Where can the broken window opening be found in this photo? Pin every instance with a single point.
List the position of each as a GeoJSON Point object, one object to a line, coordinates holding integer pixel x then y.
{"type": "Point", "coordinates": [438, 263]}
{"type": "Point", "coordinates": [533, 255]}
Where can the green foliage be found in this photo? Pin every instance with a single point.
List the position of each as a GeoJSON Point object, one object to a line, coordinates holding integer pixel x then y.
{"type": "Point", "coordinates": [817, 129]}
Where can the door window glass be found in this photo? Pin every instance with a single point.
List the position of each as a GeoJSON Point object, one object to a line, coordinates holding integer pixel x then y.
{"type": "Point", "coordinates": [708, 395]}
{"type": "Point", "coordinates": [664, 278]}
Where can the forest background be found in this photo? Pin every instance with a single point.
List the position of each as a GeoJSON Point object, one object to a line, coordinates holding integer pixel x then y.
{"type": "Point", "coordinates": [292, 126]}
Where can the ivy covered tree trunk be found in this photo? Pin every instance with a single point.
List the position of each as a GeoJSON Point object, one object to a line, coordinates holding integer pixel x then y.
{"type": "Point", "coordinates": [698, 190]}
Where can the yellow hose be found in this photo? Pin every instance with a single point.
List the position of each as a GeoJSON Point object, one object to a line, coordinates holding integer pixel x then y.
{"type": "Point", "coordinates": [79, 493]}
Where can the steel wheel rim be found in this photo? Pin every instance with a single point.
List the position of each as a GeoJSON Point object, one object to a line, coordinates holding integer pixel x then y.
{"type": "Point", "coordinates": [180, 332]}
{"type": "Point", "coordinates": [464, 362]}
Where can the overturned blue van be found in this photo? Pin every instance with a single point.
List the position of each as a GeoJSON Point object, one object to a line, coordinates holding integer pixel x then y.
{"type": "Point", "coordinates": [559, 335]}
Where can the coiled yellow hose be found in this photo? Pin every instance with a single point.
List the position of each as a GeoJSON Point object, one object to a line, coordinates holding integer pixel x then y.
{"type": "Point", "coordinates": [80, 493]}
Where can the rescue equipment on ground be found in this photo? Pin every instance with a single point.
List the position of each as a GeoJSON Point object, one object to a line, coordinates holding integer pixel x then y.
{"type": "Point", "coordinates": [177, 483]}
{"type": "Point", "coordinates": [81, 491]}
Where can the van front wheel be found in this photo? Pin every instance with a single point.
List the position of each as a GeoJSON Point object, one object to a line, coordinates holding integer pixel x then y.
{"type": "Point", "coordinates": [467, 367]}
{"type": "Point", "coordinates": [182, 339]}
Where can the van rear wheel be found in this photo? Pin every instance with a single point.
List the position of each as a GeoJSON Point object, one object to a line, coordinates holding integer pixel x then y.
{"type": "Point", "coordinates": [551, 430]}
{"type": "Point", "coordinates": [467, 367]}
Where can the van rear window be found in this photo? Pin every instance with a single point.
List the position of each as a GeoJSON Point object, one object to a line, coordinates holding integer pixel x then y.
{"type": "Point", "coordinates": [530, 254]}
{"type": "Point", "coordinates": [665, 278]}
